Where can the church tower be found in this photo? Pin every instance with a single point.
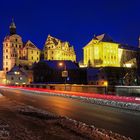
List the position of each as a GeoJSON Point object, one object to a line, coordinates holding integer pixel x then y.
{"type": "Point", "coordinates": [12, 46]}
{"type": "Point", "coordinates": [12, 27]}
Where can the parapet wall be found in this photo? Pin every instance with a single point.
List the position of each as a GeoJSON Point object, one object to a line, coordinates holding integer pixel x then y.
{"type": "Point", "coordinates": [128, 90]}
{"type": "Point", "coordinates": [71, 87]}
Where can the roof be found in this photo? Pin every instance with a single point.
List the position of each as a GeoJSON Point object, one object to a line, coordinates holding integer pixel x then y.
{"type": "Point", "coordinates": [29, 44]}
{"type": "Point", "coordinates": [12, 25]}
{"type": "Point", "coordinates": [54, 64]}
{"type": "Point", "coordinates": [128, 47]}
{"type": "Point", "coordinates": [16, 69]}
{"type": "Point", "coordinates": [104, 38]}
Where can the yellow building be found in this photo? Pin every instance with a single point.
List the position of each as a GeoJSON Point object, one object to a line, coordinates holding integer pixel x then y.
{"type": "Point", "coordinates": [30, 53]}
{"type": "Point", "coordinates": [55, 49]}
{"type": "Point", "coordinates": [15, 52]}
{"type": "Point", "coordinates": [101, 51]}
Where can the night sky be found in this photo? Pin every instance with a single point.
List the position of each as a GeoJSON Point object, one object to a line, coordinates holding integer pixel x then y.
{"type": "Point", "coordinates": [75, 21]}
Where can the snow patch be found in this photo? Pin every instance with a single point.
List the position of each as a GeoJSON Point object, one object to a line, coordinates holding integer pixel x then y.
{"type": "Point", "coordinates": [1, 95]}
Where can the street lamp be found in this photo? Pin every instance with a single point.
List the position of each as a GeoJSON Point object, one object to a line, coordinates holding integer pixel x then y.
{"type": "Point", "coordinates": [64, 72]}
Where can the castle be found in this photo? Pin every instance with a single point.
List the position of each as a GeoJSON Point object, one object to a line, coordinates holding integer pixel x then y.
{"type": "Point", "coordinates": [15, 52]}
{"type": "Point", "coordinates": [101, 51]}
{"type": "Point", "coordinates": [55, 49]}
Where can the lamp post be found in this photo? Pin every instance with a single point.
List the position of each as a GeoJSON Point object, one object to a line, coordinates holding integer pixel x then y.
{"type": "Point", "coordinates": [64, 72]}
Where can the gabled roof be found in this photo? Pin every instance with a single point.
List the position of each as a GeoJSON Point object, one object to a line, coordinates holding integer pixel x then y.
{"type": "Point", "coordinates": [104, 38]}
{"type": "Point", "coordinates": [53, 39]}
{"type": "Point", "coordinates": [29, 44]}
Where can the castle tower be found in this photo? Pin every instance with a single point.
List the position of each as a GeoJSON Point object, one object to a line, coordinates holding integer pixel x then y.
{"type": "Point", "coordinates": [12, 46]}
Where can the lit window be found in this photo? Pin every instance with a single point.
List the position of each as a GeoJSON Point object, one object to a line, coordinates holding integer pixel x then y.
{"type": "Point", "coordinates": [20, 78]}
{"type": "Point", "coordinates": [17, 72]}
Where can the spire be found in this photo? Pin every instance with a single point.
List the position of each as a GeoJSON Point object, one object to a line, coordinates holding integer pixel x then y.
{"type": "Point", "coordinates": [12, 27]}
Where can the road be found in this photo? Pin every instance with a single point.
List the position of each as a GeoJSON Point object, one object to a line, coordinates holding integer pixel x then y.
{"type": "Point", "coordinates": [118, 120]}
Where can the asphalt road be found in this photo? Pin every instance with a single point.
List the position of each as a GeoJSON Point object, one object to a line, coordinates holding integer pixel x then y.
{"type": "Point", "coordinates": [118, 120]}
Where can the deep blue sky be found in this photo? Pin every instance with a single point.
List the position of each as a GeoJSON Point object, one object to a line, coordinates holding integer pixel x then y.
{"type": "Point", "coordinates": [75, 21]}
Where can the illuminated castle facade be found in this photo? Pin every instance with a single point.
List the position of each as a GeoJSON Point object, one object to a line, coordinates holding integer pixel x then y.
{"type": "Point", "coordinates": [55, 49]}
{"type": "Point", "coordinates": [15, 52]}
{"type": "Point", "coordinates": [102, 51]}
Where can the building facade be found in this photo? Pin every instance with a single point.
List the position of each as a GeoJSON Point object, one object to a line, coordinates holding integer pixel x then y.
{"type": "Point", "coordinates": [15, 52]}
{"type": "Point", "coordinates": [19, 76]}
{"type": "Point", "coordinates": [55, 49]}
{"type": "Point", "coordinates": [102, 51]}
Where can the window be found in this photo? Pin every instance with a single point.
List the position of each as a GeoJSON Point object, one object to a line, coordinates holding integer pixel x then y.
{"type": "Point", "coordinates": [6, 56]}
{"type": "Point", "coordinates": [52, 52]}
{"type": "Point", "coordinates": [6, 63]}
{"type": "Point", "coordinates": [6, 44]}
{"type": "Point", "coordinates": [32, 58]}
{"type": "Point", "coordinates": [16, 40]}
{"type": "Point", "coordinates": [20, 78]}
{"type": "Point", "coordinates": [37, 58]}
{"type": "Point", "coordinates": [6, 69]}
{"type": "Point", "coordinates": [37, 52]}
{"type": "Point", "coordinates": [6, 50]}
{"type": "Point", "coordinates": [32, 52]}
{"type": "Point", "coordinates": [12, 78]}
